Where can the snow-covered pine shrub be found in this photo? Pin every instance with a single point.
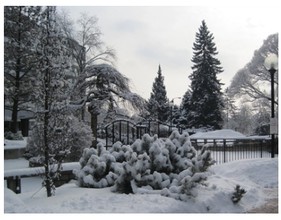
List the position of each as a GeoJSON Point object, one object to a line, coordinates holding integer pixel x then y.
{"type": "Point", "coordinates": [96, 168]}
{"type": "Point", "coordinates": [126, 173]}
{"type": "Point", "coordinates": [181, 151]}
{"type": "Point", "coordinates": [203, 160]}
{"type": "Point", "coordinates": [237, 194]}
{"type": "Point", "coordinates": [143, 173]}
{"type": "Point", "coordinates": [118, 150]}
{"type": "Point", "coordinates": [143, 145]}
{"type": "Point", "coordinates": [159, 156]}
{"type": "Point", "coordinates": [189, 166]}
{"type": "Point", "coordinates": [101, 167]}
{"type": "Point", "coordinates": [172, 166]}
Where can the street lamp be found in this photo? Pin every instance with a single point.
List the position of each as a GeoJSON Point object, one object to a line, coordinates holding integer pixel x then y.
{"type": "Point", "coordinates": [271, 64]}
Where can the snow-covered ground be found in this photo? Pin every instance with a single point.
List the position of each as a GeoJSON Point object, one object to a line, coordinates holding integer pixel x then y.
{"type": "Point", "coordinates": [218, 134]}
{"type": "Point", "coordinates": [259, 177]}
{"type": "Point", "coordinates": [256, 176]}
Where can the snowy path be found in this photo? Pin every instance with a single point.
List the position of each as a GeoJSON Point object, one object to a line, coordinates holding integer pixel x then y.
{"type": "Point", "coordinates": [271, 202]}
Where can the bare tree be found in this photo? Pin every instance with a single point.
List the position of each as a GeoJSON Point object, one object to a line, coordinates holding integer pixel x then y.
{"type": "Point", "coordinates": [86, 47]}
{"type": "Point", "coordinates": [253, 81]}
{"type": "Point", "coordinates": [98, 84]}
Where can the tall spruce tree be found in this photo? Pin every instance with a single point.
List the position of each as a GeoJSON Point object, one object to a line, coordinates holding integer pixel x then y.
{"type": "Point", "coordinates": [158, 103]}
{"type": "Point", "coordinates": [206, 95]}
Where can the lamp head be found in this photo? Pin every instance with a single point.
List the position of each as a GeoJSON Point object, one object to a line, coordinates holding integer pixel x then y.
{"type": "Point", "coordinates": [271, 62]}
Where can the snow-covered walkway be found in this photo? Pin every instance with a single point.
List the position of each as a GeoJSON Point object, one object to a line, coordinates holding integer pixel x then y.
{"type": "Point", "coordinates": [271, 202]}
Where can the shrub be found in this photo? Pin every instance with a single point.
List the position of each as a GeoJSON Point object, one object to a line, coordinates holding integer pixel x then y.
{"type": "Point", "coordinates": [173, 166]}
{"type": "Point", "coordinates": [13, 136]}
{"type": "Point", "coordinates": [237, 194]}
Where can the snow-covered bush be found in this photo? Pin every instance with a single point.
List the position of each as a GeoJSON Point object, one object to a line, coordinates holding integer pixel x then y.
{"type": "Point", "coordinates": [67, 138]}
{"type": "Point", "coordinates": [170, 165]}
{"type": "Point", "coordinates": [96, 168]}
{"type": "Point", "coordinates": [13, 136]}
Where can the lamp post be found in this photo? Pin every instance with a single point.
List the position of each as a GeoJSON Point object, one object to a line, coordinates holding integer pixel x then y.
{"type": "Point", "coordinates": [271, 64]}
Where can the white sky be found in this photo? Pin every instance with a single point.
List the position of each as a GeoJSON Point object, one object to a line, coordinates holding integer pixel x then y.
{"type": "Point", "coordinates": [146, 36]}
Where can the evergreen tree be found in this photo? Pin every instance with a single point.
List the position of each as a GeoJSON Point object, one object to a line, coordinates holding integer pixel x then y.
{"type": "Point", "coordinates": [184, 109]}
{"type": "Point", "coordinates": [158, 104]}
{"type": "Point", "coordinates": [20, 31]}
{"type": "Point", "coordinates": [206, 95]}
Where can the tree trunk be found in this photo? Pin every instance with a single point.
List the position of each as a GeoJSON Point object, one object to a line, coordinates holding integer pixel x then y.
{"type": "Point", "coordinates": [94, 127]}
{"type": "Point", "coordinates": [46, 133]}
{"type": "Point", "coordinates": [46, 152]}
{"type": "Point", "coordinates": [47, 79]}
{"type": "Point", "coordinates": [14, 124]}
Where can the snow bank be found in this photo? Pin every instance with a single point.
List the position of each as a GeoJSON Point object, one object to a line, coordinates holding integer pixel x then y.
{"type": "Point", "coordinates": [253, 175]}
{"type": "Point", "coordinates": [14, 204]}
{"type": "Point", "coordinates": [218, 134]}
{"type": "Point", "coordinates": [262, 172]}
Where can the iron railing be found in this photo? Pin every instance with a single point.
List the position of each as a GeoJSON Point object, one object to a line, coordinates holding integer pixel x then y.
{"type": "Point", "coordinates": [226, 150]}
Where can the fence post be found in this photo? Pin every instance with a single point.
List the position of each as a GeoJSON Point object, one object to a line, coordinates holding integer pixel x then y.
{"type": "Point", "coordinates": [120, 131]}
{"type": "Point", "coordinates": [14, 183]}
{"type": "Point", "coordinates": [261, 147]}
{"type": "Point", "coordinates": [106, 136]}
{"type": "Point", "coordinates": [224, 146]}
{"type": "Point", "coordinates": [113, 136]}
{"type": "Point", "coordinates": [128, 133]}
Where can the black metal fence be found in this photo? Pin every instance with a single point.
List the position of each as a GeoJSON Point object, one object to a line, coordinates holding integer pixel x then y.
{"type": "Point", "coordinates": [226, 150]}
{"type": "Point", "coordinates": [222, 150]}
{"type": "Point", "coordinates": [127, 132]}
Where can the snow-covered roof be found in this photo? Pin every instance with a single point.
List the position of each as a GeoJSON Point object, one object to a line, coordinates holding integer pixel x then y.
{"type": "Point", "coordinates": [218, 134]}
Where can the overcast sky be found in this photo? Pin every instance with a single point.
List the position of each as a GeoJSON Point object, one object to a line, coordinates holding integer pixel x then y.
{"type": "Point", "coordinates": [146, 36]}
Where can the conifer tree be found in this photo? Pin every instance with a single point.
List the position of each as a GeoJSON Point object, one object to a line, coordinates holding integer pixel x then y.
{"type": "Point", "coordinates": [158, 104]}
{"type": "Point", "coordinates": [206, 95]}
{"type": "Point", "coordinates": [20, 31]}
{"type": "Point", "coordinates": [184, 108]}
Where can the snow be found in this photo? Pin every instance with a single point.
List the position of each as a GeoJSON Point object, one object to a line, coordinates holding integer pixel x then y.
{"type": "Point", "coordinates": [218, 134]}
{"type": "Point", "coordinates": [254, 175]}
{"type": "Point", "coordinates": [38, 170]}
{"type": "Point", "coordinates": [14, 144]}
{"type": "Point", "coordinates": [259, 177]}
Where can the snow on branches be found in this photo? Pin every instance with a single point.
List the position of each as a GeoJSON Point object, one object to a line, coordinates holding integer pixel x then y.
{"type": "Point", "coordinates": [172, 166]}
